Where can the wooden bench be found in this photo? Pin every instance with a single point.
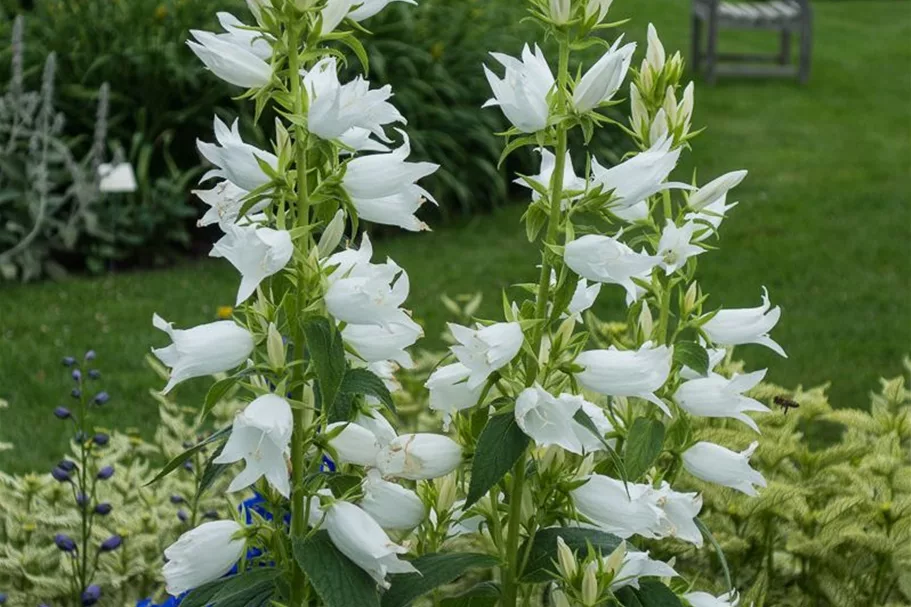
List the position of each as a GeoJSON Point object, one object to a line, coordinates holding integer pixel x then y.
{"type": "Point", "coordinates": [784, 16]}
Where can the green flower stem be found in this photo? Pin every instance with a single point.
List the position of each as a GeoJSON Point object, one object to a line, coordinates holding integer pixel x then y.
{"type": "Point", "coordinates": [513, 565]}
{"type": "Point", "coordinates": [299, 502]}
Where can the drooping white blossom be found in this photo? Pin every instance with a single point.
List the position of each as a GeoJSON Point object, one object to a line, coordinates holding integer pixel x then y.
{"type": "Point", "coordinates": [680, 510]}
{"type": "Point", "coordinates": [235, 160]}
{"type": "Point", "coordinates": [704, 599]}
{"type": "Point", "coordinates": [203, 350]}
{"type": "Point", "coordinates": [381, 175]}
{"type": "Point", "coordinates": [601, 82]}
{"type": "Point", "coordinates": [261, 435]}
{"type": "Point", "coordinates": [716, 464]}
{"type": "Point", "coordinates": [225, 201]}
{"type": "Point", "coordinates": [638, 565]}
{"type": "Point", "coordinates": [256, 252]}
{"type": "Point", "coordinates": [202, 555]}
{"type": "Point", "coordinates": [718, 396]}
{"type": "Point", "coordinates": [378, 425]}
{"type": "Point", "coordinates": [643, 175]}
{"type": "Point", "coordinates": [376, 343]}
{"type": "Point", "coordinates": [396, 210]}
{"type": "Point", "coordinates": [392, 506]}
{"type": "Point", "coordinates": [361, 539]}
{"type": "Point", "coordinates": [419, 456]}
{"type": "Point", "coordinates": [676, 245]}
{"type": "Point", "coordinates": [370, 294]}
{"type": "Point", "coordinates": [584, 297]}
{"type": "Point", "coordinates": [608, 260]}
{"type": "Point", "coordinates": [714, 190]}
{"type": "Point", "coordinates": [333, 14]}
{"type": "Point", "coordinates": [637, 373]}
{"type": "Point", "coordinates": [604, 501]}
{"type": "Point", "coordinates": [237, 57]}
{"type": "Point", "coordinates": [354, 444]}
{"type": "Point", "coordinates": [522, 94]}
{"type": "Point", "coordinates": [336, 108]}
{"type": "Point", "coordinates": [449, 391]}
{"type": "Point", "coordinates": [746, 326]}
{"type": "Point", "coordinates": [486, 349]}
{"type": "Point", "coordinates": [548, 420]}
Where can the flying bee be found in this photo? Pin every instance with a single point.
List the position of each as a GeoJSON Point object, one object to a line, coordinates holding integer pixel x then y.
{"type": "Point", "coordinates": [786, 403]}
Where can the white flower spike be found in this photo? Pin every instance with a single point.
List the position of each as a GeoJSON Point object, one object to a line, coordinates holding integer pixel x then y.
{"type": "Point", "coordinates": [718, 396]}
{"type": "Point", "coordinates": [636, 373]}
{"type": "Point", "coordinates": [257, 253]}
{"type": "Point", "coordinates": [203, 350]}
{"type": "Point", "coordinates": [716, 464]}
{"type": "Point", "coordinates": [261, 436]}
{"type": "Point", "coordinates": [202, 555]}
{"type": "Point", "coordinates": [522, 94]}
{"type": "Point", "coordinates": [746, 326]}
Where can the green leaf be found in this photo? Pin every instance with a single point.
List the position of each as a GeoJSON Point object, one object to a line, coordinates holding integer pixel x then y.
{"type": "Point", "coordinates": [327, 353]}
{"type": "Point", "coordinates": [628, 597]}
{"type": "Point", "coordinates": [692, 355]}
{"type": "Point", "coordinates": [643, 446]}
{"type": "Point", "coordinates": [651, 593]}
{"type": "Point", "coordinates": [500, 446]}
{"type": "Point", "coordinates": [362, 381]}
{"type": "Point", "coordinates": [543, 551]}
{"type": "Point", "coordinates": [248, 589]}
{"type": "Point", "coordinates": [217, 392]}
{"type": "Point", "coordinates": [221, 435]}
{"type": "Point", "coordinates": [435, 571]}
{"type": "Point", "coordinates": [211, 473]}
{"type": "Point", "coordinates": [582, 418]}
{"type": "Point", "coordinates": [337, 580]}
{"type": "Point", "coordinates": [485, 594]}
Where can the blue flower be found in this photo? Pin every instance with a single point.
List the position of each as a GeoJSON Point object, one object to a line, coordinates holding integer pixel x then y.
{"type": "Point", "coordinates": [65, 542]}
{"type": "Point", "coordinates": [111, 544]}
{"type": "Point", "coordinates": [60, 475]}
{"type": "Point", "coordinates": [91, 595]}
{"type": "Point", "coordinates": [101, 398]}
{"type": "Point", "coordinates": [62, 413]}
{"type": "Point", "coordinates": [103, 509]}
{"type": "Point", "coordinates": [106, 473]}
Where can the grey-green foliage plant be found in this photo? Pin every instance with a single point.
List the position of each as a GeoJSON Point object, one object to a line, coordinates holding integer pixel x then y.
{"type": "Point", "coordinates": [149, 517]}
{"type": "Point", "coordinates": [833, 528]}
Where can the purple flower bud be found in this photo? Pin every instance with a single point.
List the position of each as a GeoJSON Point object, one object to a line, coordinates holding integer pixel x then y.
{"type": "Point", "coordinates": [182, 516]}
{"type": "Point", "coordinates": [103, 509]}
{"type": "Point", "coordinates": [77, 375]}
{"type": "Point", "coordinates": [82, 500]}
{"type": "Point", "coordinates": [68, 361]}
{"type": "Point", "coordinates": [94, 373]}
{"type": "Point", "coordinates": [176, 499]}
{"type": "Point", "coordinates": [65, 542]}
{"type": "Point", "coordinates": [111, 544]}
{"type": "Point", "coordinates": [91, 595]}
{"type": "Point", "coordinates": [2, 598]}
{"type": "Point", "coordinates": [188, 465]}
{"type": "Point", "coordinates": [67, 465]}
{"type": "Point", "coordinates": [62, 413]}
{"type": "Point", "coordinates": [101, 398]}
{"type": "Point", "coordinates": [76, 393]}
{"type": "Point", "coordinates": [60, 475]}
{"type": "Point", "coordinates": [106, 473]}
{"type": "Point", "coordinates": [101, 439]}
{"type": "Point", "coordinates": [90, 355]}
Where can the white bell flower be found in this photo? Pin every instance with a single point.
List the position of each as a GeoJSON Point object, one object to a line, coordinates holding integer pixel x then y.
{"type": "Point", "coordinates": [369, 8]}
{"type": "Point", "coordinates": [638, 565]}
{"type": "Point", "coordinates": [601, 82]}
{"type": "Point", "coordinates": [449, 391]}
{"type": "Point", "coordinates": [355, 444]}
{"type": "Point", "coordinates": [680, 510]}
{"type": "Point", "coordinates": [261, 436]}
{"type": "Point", "coordinates": [584, 297]}
{"type": "Point", "coordinates": [571, 182]}
{"type": "Point", "coordinates": [714, 190]}
{"type": "Point", "coordinates": [344, 262]}
{"type": "Point", "coordinates": [378, 425]}
{"type": "Point", "coordinates": [374, 343]}
{"type": "Point", "coordinates": [203, 350]}
{"type": "Point", "coordinates": [116, 178]}
{"type": "Point", "coordinates": [718, 396]}
{"type": "Point", "coordinates": [710, 217]}
{"type": "Point", "coordinates": [392, 506]}
{"type": "Point", "coordinates": [385, 370]}
{"type": "Point", "coordinates": [256, 252]}
{"type": "Point", "coordinates": [202, 555]}
{"type": "Point", "coordinates": [359, 140]}
{"type": "Point", "coordinates": [225, 201]}
{"type": "Point", "coordinates": [704, 599]}
{"type": "Point", "coordinates": [236, 64]}
{"type": "Point", "coordinates": [676, 245]}
{"type": "Point", "coordinates": [361, 539]}
{"type": "Point", "coordinates": [396, 210]}
{"type": "Point", "coordinates": [381, 175]}
{"type": "Point", "coordinates": [486, 349]}
{"type": "Point", "coordinates": [604, 501]}
{"type": "Point", "coordinates": [419, 457]}
{"type": "Point", "coordinates": [236, 160]}
{"type": "Point", "coordinates": [238, 34]}
{"type": "Point", "coordinates": [643, 175]}
{"type": "Point", "coordinates": [716, 464]}
{"type": "Point", "coordinates": [370, 294]}
{"type": "Point", "coordinates": [608, 260]}
{"type": "Point", "coordinates": [522, 93]}
{"type": "Point", "coordinates": [636, 373]}
{"type": "Point", "coordinates": [746, 326]}
{"type": "Point", "coordinates": [336, 108]}
{"type": "Point", "coordinates": [548, 420]}
{"type": "Point", "coordinates": [333, 14]}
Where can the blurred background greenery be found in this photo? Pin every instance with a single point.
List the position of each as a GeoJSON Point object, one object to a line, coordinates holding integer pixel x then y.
{"type": "Point", "coordinates": [824, 220]}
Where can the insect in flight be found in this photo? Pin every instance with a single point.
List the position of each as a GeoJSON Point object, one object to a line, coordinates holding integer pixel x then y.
{"type": "Point", "coordinates": [786, 403]}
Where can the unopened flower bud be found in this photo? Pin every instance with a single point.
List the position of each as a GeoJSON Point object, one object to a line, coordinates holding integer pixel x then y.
{"type": "Point", "coordinates": [560, 11]}
{"type": "Point", "coordinates": [654, 53]}
{"type": "Point", "coordinates": [65, 542]}
{"type": "Point", "coordinates": [106, 473]}
{"type": "Point", "coordinates": [68, 361]}
{"type": "Point", "coordinates": [211, 515]}
{"type": "Point", "coordinates": [94, 373]}
{"type": "Point", "coordinates": [447, 493]}
{"type": "Point", "coordinates": [670, 105]}
{"type": "Point", "coordinates": [615, 560]}
{"type": "Point", "coordinates": [590, 594]}
{"type": "Point", "coordinates": [90, 355]}
{"type": "Point", "coordinates": [111, 544]}
{"type": "Point", "coordinates": [91, 595]}
{"type": "Point", "coordinates": [60, 475]}
{"type": "Point", "coordinates": [685, 109]}
{"type": "Point", "coordinates": [67, 465]}
{"type": "Point", "coordinates": [332, 235]}
{"type": "Point", "coordinates": [176, 499]}
{"type": "Point", "coordinates": [275, 347]}
{"type": "Point", "coordinates": [597, 7]}
{"type": "Point", "coordinates": [101, 439]}
{"type": "Point", "coordinates": [62, 413]}
{"type": "Point", "coordinates": [101, 398]}
{"type": "Point", "coordinates": [76, 393]}
{"type": "Point", "coordinates": [182, 516]}
{"type": "Point", "coordinates": [646, 323]}
{"type": "Point", "coordinates": [689, 300]}
{"type": "Point", "coordinates": [82, 500]}
{"type": "Point", "coordinates": [103, 509]}
{"type": "Point", "coordinates": [553, 458]}
{"type": "Point", "coordinates": [639, 113]}
{"type": "Point", "coordinates": [77, 375]}
{"type": "Point", "coordinates": [558, 599]}
{"type": "Point", "coordinates": [566, 560]}
{"type": "Point", "coordinates": [658, 129]}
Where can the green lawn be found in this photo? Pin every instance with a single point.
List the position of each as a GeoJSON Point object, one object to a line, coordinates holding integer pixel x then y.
{"type": "Point", "coordinates": [824, 223]}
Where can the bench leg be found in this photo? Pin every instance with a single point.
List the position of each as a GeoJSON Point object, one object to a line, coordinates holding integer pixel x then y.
{"type": "Point", "coordinates": [806, 46]}
{"type": "Point", "coordinates": [711, 58]}
{"type": "Point", "coordinates": [784, 54]}
{"type": "Point", "coordinates": [697, 44]}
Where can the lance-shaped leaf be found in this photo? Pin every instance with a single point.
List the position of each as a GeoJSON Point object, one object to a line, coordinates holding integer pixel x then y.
{"type": "Point", "coordinates": [500, 446]}
{"type": "Point", "coordinates": [435, 570]}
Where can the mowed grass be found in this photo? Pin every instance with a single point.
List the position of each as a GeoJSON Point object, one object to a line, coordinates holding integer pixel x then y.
{"type": "Point", "coordinates": [824, 223]}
